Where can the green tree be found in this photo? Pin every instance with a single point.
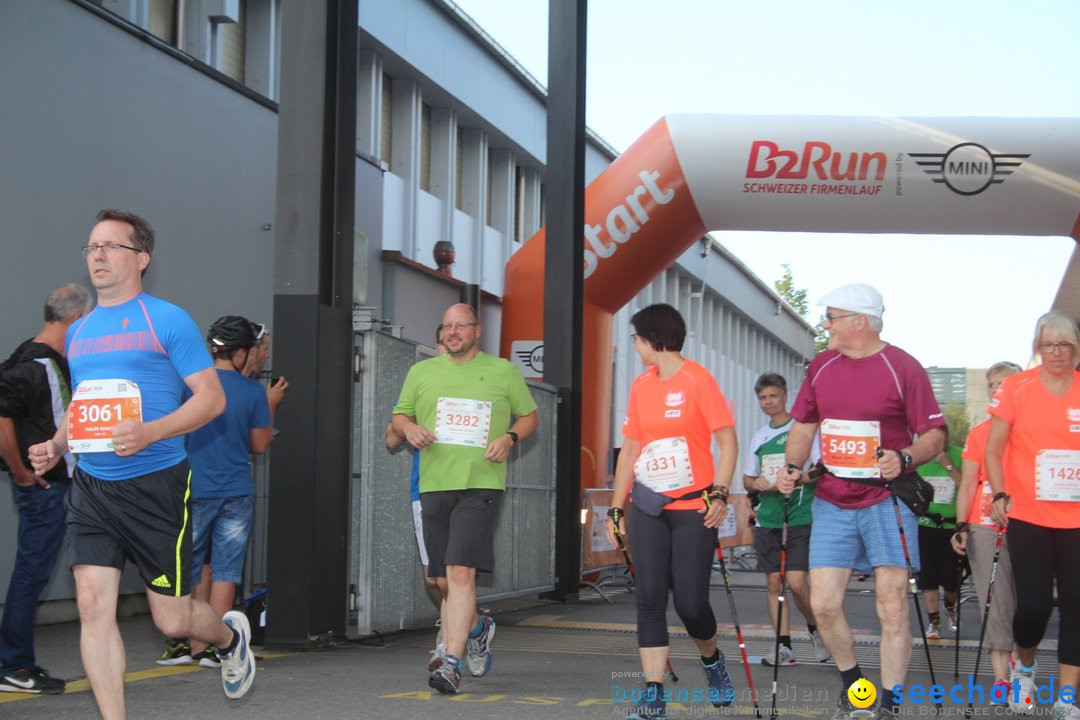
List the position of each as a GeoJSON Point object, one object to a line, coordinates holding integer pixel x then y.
{"type": "Point", "coordinates": [958, 422]}
{"type": "Point", "coordinates": [796, 298]}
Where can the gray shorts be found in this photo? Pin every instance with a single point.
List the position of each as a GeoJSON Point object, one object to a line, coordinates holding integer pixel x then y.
{"type": "Point", "coordinates": [459, 528]}
{"type": "Point", "coordinates": [980, 546]}
{"type": "Point", "coordinates": [767, 547]}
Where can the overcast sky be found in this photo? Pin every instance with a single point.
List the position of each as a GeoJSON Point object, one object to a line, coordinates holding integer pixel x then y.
{"type": "Point", "coordinates": [961, 301]}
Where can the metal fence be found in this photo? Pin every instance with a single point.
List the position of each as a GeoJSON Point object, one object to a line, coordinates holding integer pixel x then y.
{"type": "Point", "coordinates": [385, 583]}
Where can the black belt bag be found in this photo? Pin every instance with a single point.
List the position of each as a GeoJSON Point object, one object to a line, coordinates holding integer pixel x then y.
{"type": "Point", "coordinates": [653, 503]}
{"type": "Point", "coordinates": [911, 489]}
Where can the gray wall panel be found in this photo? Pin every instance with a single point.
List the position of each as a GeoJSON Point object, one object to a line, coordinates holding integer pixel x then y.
{"type": "Point", "coordinates": [94, 117]}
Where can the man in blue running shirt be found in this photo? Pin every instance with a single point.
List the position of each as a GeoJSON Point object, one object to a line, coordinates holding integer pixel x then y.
{"type": "Point", "coordinates": [131, 360]}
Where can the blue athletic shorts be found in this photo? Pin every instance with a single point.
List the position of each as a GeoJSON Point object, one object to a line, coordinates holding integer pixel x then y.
{"type": "Point", "coordinates": [220, 529]}
{"type": "Point", "coordinates": [861, 539]}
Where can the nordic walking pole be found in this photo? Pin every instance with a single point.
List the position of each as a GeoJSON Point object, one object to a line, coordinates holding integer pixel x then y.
{"type": "Point", "coordinates": [780, 602]}
{"type": "Point", "coordinates": [986, 610]}
{"type": "Point", "coordinates": [959, 595]}
{"type": "Point", "coordinates": [616, 517]}
{"type": "Point", "coordinates": [911, 577]}
{"type": "Point", "coordinates": [735, 617]}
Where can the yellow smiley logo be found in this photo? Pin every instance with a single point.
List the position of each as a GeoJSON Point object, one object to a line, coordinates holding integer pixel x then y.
{"type": "Point", "coordinates": [862, 693]}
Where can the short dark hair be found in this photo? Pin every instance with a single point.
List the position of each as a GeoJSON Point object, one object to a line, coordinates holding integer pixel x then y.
{"type": "Point", "coordinates": [770, 380]}
{"type": "Point", "coordinates": [661, 325]}
{"type": "Point", "coordinates": [143, 235]}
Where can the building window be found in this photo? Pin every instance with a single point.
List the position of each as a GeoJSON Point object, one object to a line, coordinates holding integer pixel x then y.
{"type": "Point", "coordinates": [162, 20]}
{"type": "Point", "coordinates": [519, 205]}
{"type": "Point", "coordinates": [425, 147]}
{"type": "Point", "coordinates": [227, 46]}
{"type": "Point", "coordinates": [458, 170]}
{"type": "Point", "coordinates": [386, 131]}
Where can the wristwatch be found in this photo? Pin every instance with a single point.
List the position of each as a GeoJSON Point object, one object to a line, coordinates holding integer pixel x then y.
{"type": "Point", "coordinates": [513, 437]}
{"type": "Point", "coordinates": [906, 460]}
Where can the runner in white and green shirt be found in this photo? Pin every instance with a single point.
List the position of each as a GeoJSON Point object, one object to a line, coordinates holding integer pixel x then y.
{"type": "Point", "coordinates": [763, 463]}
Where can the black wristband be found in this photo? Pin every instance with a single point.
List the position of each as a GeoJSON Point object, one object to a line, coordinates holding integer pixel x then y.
{"type": "Point", "coordinates": [513, 437]}
{"type": "Point", "coordinates": [792, 467]}
{"type": "Point", "coordinates": [1001, 495]}
{"type": "Point", "coordinates": [961, 527]}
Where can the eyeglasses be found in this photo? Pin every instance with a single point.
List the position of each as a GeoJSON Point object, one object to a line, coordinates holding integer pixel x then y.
{"type": "Point", "coordinates": [459, 326]}
{"type": "Point", "coordinates": [833, 318]}
{"type": "Point", "coordinates": [1055, 348]}
{"type": "Point", "coordinates": [260, 330]}
{"type": "Point", "coordinates": [109, 248]}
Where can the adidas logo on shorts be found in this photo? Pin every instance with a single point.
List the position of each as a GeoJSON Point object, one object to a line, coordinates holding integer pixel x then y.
{"type": "Point", "coordinates": [162, 582]}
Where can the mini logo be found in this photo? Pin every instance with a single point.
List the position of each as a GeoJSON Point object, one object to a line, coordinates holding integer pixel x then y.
{"type": "Point", "coordinates": [1074, 428]}
{"type": "Point", "coordinates": [530, 355]}
{"type": "Point", "coordinates": [672, 413]}
{"type": "Point", "coordinates": [123, 325]}
{"type": "Point", "coordinates": [994, 402]}
{"type": "Point", "coordinates": [162, 582]}
{"type": "Point", "coordinates": [969, 168]}
{"type": "Point", "coordinates": [1074, 415]}
{"type": "Point", "coordinates": [674, 398]}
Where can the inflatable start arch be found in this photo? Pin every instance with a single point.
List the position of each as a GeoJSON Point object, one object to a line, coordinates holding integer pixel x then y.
{"type": "Point", "coordinates": [689, 174]}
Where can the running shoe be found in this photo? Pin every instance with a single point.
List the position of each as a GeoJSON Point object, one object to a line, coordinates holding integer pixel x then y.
{"type": "Point", "coordinates": [787, 657]}
{"type": "Point", "coordinates": [933, 631]}
{"type": "Point", "coordinates": [35, 681]}
{"type": "Point", "coordinates": [844, 708]}
{"type": "Point", "coordinates": [887, 713]}
{"type": "Point", "coordinates": [951, 612]}
{"type": "Point", "coordinates": [177, 652]}
{"type": "Point", "coordinates": [478, 649]}
{"type": "Point", "coordinates": [238, 666]}
{"type": "Point", "coordinates": [436, 657]}
{"type": "Point", "coordinates": [721, 689]}
{"type": "Point", "coordinates": [1022, 702]}
{"type": "Point", "coordinates": [208, 658]}
{"type": "Point", "coordinates": [651, 707]}
{"type": "Point", "coordinates": [447, 676]}
{"type": "Point", "coordinates": [821, 653]}
{"type": "Point", "coordinates": [1066, 712]}
{"type": "Point", "coordinates": [999, 693]}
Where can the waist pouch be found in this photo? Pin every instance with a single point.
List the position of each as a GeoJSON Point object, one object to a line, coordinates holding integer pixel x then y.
{"type": "Point", "coordinates": [912, 490]}
{"type": "Point", "coordinates": [653, 503]}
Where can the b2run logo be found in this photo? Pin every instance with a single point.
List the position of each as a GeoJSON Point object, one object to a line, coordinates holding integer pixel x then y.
{"type": "Point", "coordinates": [974, 692]}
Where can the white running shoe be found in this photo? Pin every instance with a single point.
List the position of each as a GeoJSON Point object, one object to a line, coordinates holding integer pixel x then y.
{"type": "Point", "coordinates": [436, 657]}
{"type": "Point", "coordinates": [821, 653]}
{"type": "Point", "coordinates": [478, 649]}
{"type": "Point", "coordinates": [1066, 712]}
{"type": "Point", "coordinates": [238, 667]}
{"type": "Point", "coordinates": [1025, 703]}
{"type": "Point", "coordinates": [787, 657]}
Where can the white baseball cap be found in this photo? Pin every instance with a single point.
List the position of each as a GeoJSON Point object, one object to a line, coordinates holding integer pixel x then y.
{"type": "Point", "coordinates": [858, 298]}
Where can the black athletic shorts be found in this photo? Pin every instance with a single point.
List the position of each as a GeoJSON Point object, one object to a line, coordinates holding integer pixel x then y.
{"type": "Point", "coordinates": [459, 528]}
{"type": "Point", "coordinates": [144, 519]}
{"type": "Point", "coordinates": [767, 548]}
{"type": "Point", "coordinates": [939, 563]}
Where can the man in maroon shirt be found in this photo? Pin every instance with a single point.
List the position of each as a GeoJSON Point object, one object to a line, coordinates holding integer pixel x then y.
{"type": "Point", "coordinates": [862, 394]}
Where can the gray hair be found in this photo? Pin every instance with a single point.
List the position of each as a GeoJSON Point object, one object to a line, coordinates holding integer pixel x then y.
{"type": "Point", "coordinates": [67, 301]}
{"type": "Point", "coordinates": [1056, 320]}
{"type": "Point", "coordinates": [874, 323]}
{"type": "Point", "coordinates": [1003, 366]}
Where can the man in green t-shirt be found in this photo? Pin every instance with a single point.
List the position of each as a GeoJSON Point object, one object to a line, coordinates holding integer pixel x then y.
{"type": "Point", "coordinates": [456, 409]}
{"type": "Point", "coordinates": [763, 464]}
{"type": "Point", "coordinates": [939, 565]}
